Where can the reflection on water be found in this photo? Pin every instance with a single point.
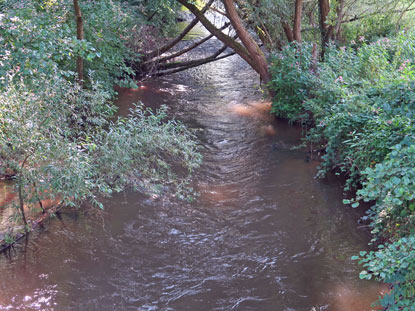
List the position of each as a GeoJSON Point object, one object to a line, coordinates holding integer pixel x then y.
{"type": "Point", "coordinates": [268, 130]}
{"type": "Point", "coordinates": [257, 110]}
{"type": "Point", "coordinates": [347, 297]}
{"type": "Point", "coordinates": [263, 235]}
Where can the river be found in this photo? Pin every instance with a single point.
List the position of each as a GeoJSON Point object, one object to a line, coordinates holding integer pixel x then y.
{"type": "Point", "coordinates": [264, 234]}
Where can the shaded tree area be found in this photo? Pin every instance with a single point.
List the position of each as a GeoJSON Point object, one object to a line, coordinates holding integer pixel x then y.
{"type": "Point", "coordinates": [263, 26]}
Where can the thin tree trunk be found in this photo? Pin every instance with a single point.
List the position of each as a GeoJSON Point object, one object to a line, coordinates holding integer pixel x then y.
{"type": "Point", "coordinates": [297, 20]}
{"type": "Point", "coordinates": [38, 198]}
{"type": "Point", "coordinates": [79, 36]}
{"type": "Point", "coordinates": [21, 201]}
{"type": "Point", "coordinates": [169, 45]}
{"type": "Point", "coordinates": [288, 32]}
{"type": "Point", "coordinates": [402, 14]}
{"type": "Point", "coordinates": [337, 30]}
{"type": "Point", "coordinates": [193, 62]}
{"type": "Point", "coordinates": [193, 46]}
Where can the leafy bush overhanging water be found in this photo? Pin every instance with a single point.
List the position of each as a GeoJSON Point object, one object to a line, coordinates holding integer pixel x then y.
{"type": "Point", "coordinates": [56, 137]}
{"type": "Point", "coordinates": [360, 105]}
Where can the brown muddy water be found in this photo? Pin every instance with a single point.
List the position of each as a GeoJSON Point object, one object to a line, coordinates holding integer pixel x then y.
{"type": "Point", "coordinates": [264, 234]}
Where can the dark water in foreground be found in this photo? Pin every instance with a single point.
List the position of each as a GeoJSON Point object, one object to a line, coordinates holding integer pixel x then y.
{"type": "Point", "coordinates": [264, 234]}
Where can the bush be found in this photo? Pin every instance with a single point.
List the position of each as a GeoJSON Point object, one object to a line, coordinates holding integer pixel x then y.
{"type": "Point", "coordinates": [58, 140]}
{"type": "Point", "coordinates": [291, 81]}
{"type": "Point", "coordinates": [362, 103]}
{"type": "Point", "coordinates": [391, 184]}
{"type": "Point", "coordinates": [394, 264]}
{"type": "Point", "coordinates": [39, 38]}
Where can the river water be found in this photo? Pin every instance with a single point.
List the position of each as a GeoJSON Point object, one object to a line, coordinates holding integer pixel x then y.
{"type": "Point", "coordinates": [263, 235]}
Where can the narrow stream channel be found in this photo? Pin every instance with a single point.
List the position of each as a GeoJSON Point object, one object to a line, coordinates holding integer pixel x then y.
{"type": "Point", "coordinates": [264, 234]}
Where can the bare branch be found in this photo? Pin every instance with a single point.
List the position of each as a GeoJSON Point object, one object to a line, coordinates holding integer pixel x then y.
{"type": "Point", "coordinates": [403, 13]}
{"type": "Point", "coordinates": [176, 40]}
{"type": "Point", "coordinates": [202, 62]}
{"type": "Point", "coordinates": [233, 44]}
{"type": "Point", "coordinates": [218, 11]}
{"type": "Point", "coordinates": [191, 62]}
{"type": "Point", "coordinates": [191, 47]}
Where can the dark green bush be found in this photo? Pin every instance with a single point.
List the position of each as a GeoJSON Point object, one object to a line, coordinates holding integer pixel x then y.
{"type": "Point", "coordinates": [291, 81]}
{"type": "Point", "coordinates": [362, 104]}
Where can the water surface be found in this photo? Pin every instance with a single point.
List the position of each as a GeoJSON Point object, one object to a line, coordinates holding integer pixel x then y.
{"type": "Point", "coordinates": [263, 235]}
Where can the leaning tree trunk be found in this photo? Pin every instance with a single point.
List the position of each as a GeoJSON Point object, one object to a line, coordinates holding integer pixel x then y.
{"type": "Point", "coordinates": [248, 49]}
{"type": "Point", "coordinates": [258, 57]}
{"type": "Point", "coordinates": [229, 41]}
{"type": "Point", "coordinates": [288, 32]}
{"type": "Point", "coordinates": [79, 36]}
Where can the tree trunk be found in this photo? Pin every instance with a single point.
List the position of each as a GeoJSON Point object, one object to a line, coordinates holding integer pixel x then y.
{"type": "Point", "coordinates": [21, 201]}
{"type": "Point", "coordinates": [340, 13]}
{"type": "Point", "coordinates": [79, 36]}
{"type": "Point", "coordinates": [169, 45]}
{"type": "Point", "coordinates": [324, 8]}
{"type": "Point", "coordinates": [259, 60]}
{"type": "Point", "coordinates": [229, 41]}
{"type": "Point", "coordinates": [288, 32]}
{"type": "Point", "coordinates": [297, 20]}
{"type": "Point", "coordinates": [248, 50]}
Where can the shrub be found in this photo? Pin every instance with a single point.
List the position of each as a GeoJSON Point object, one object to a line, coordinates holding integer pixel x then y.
{"type": "Point", "coordinates": [291, 81]}
{"type": "Point", "coordinates": [40, 39]}
{"type": "Point", "coordinates": [394, 264]}
{"type": "Point", "coordinates": [391, 184]}
{"type": "Point", "coordinates": [58, 140]}
{"type": "Point", "coordinates": [362, 103]}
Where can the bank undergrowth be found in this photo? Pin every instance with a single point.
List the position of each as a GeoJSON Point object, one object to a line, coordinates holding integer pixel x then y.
{"type": "Point", "coordinates": [359, 106]}
{"type": "Point", "coordinates": [59, 140]}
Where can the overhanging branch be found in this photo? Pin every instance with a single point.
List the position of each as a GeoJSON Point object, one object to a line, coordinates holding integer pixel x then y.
{"type": "Point", "coordinates": [192, 65]}
{"type": "Point", "coordinates": [176, 40]}
{"type": "Point", "coordinates": [191, 47]}
{"type": "Point", "coordinates": [197, 62]}
{"type": "Point", "coordinates": [227, 40]}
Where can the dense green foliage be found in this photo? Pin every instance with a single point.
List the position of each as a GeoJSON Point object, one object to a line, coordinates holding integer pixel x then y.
{"type": "Point", "coordinates": [158, 13]}
{"type": "Point", "coordinates": [58, 138]}
{"type": "Point", "coordinates": [360, 103]}
{"type": "Point", "coordinates": [39, 38]}
{"type": "Point", "coordinates": [62, 141]}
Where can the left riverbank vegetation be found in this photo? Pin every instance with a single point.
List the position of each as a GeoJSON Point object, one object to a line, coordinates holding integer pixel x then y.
{"type": "Point", "coordinates": [343, 69]}
{"type": "Point", "coordinates": [60, 138]}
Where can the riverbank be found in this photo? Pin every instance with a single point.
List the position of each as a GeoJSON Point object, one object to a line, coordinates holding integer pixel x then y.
{"type": "Point", "coordinates": [358, 109]}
